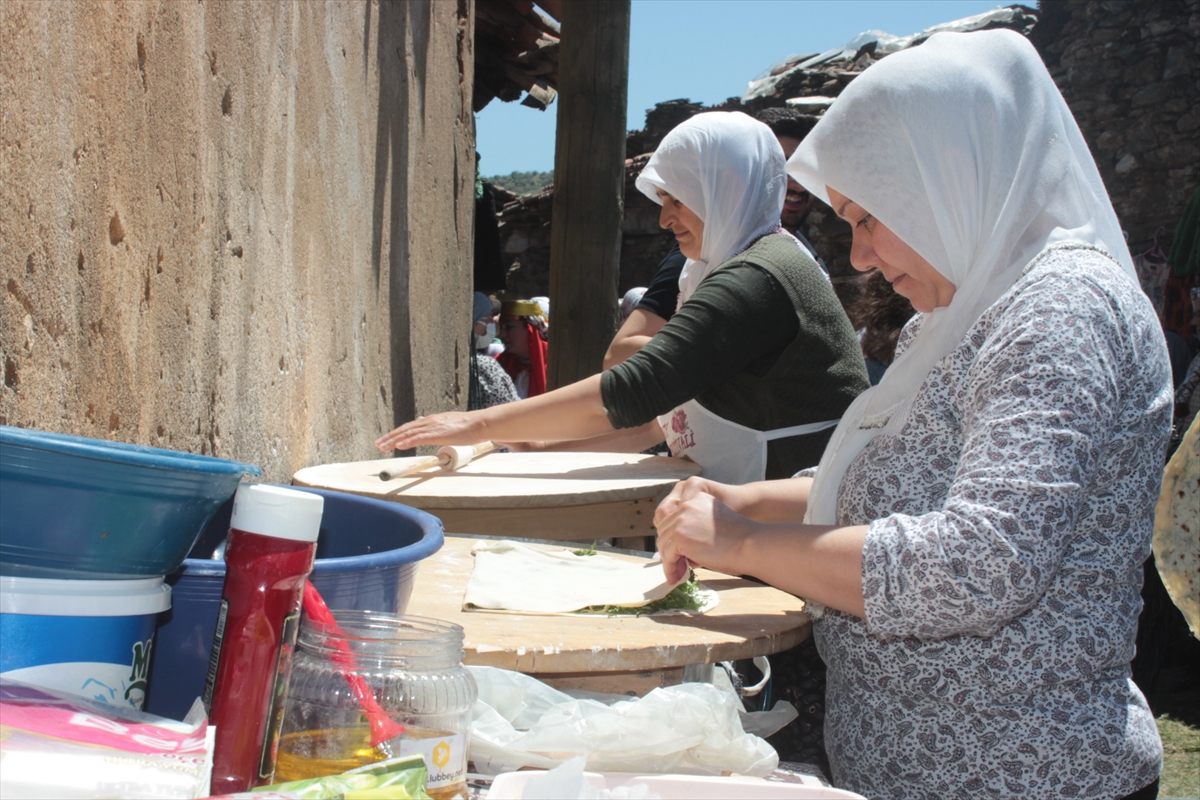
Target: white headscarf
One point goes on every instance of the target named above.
(965, 149)
(728, 169)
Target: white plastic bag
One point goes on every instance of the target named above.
(692, 728)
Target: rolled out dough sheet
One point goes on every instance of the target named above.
(516, 577)
(1177, 528)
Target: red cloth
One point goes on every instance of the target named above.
(515, 365)
(1177, 305)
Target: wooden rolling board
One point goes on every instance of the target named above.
(510, 480)
(751, 620)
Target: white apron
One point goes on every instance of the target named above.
(727, 452)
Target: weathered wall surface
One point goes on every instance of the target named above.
(234, 228)
(1130, 73)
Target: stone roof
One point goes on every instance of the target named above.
(813, 80)
(516, 52)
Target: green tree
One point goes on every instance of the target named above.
(523, 182)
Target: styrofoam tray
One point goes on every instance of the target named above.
(511, 785)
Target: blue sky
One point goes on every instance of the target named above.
(706, 51)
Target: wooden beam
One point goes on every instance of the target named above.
(589, 186)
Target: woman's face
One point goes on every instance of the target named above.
(515, 335)
(683, 222)
(876, 246)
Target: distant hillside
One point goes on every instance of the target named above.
(522, 182)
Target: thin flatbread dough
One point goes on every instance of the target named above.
(1177, 528)
(515, 577)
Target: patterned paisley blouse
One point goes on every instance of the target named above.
(1009, 521)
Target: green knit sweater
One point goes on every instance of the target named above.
(762, 342)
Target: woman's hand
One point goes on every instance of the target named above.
(451, 427)
(730, 495)
(696, 528)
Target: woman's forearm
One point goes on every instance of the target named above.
(697, 526)
(770, 501)
(815, 562)
(632, 336)
(575, 411)
(621, 349)
(626, 440)
(572, 412)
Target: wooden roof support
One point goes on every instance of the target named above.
(589, 185)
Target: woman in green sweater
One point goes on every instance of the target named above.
(750, 375)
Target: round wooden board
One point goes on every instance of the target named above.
(751, 620)
(509, 480)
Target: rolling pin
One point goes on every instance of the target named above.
(449, 458)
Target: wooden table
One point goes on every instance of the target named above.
(555, 496)
(609, 654)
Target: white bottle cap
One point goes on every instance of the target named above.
(278, 512)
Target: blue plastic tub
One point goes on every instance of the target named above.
(79, 508)
(367, 556)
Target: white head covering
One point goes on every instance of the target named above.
(964, 148)
(728, 169)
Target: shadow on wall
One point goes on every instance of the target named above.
(396, 25)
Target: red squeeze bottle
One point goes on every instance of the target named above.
(268, 556)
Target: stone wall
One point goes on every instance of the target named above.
(1130, 73)
(233, 228)
(525, 237)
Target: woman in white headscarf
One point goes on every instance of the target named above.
(750, 376)
(977, 524)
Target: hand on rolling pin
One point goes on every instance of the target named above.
(696, 529)
(450, 427)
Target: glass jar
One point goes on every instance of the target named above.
(413, 666)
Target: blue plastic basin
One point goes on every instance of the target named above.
(367, 555)
(82, 508)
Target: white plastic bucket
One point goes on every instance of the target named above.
(90, 638)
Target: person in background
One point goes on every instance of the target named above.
(1187, 392)
(790, 127)
(629, 303)
(523, 330)
(661, 299)
(484, 309)
(489, 384)
(977, 525)
(751, 372)
(1187, 397)
(656, 306)
(544, 304)
(878, 313)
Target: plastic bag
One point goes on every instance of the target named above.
(62, 746)
(692, 728)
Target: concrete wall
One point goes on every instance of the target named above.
(235, 228)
